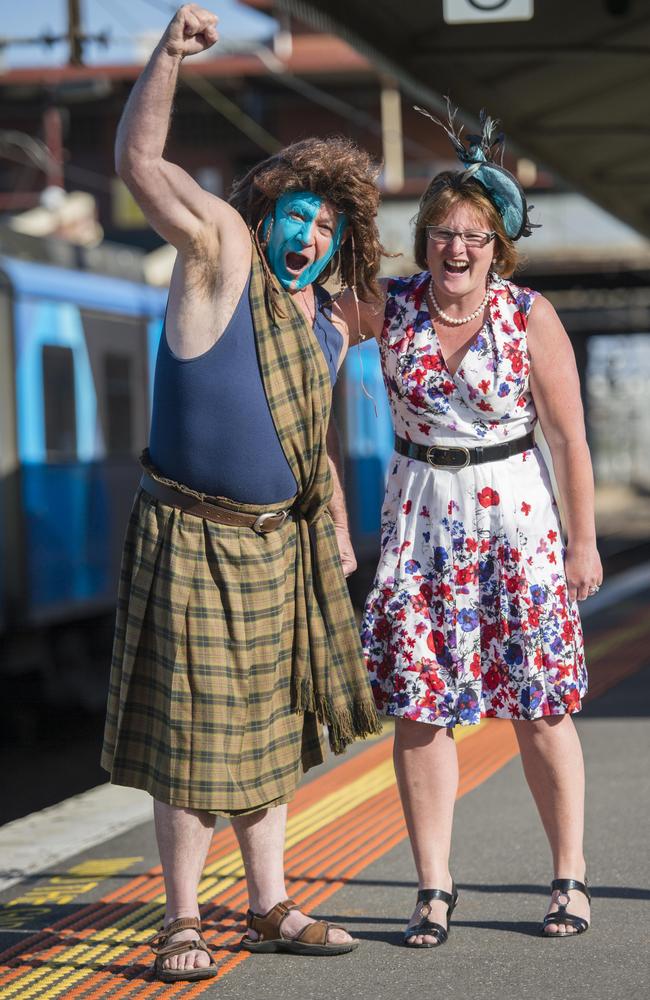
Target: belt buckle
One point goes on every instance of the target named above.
(446, 449)
(261, 519)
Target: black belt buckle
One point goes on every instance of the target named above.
(442, 457)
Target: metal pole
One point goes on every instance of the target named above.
(74, 33)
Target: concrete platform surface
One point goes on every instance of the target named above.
(77, 928)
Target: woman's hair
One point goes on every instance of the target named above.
(337, 170)
(447, 190)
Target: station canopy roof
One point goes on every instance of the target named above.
(571, 86)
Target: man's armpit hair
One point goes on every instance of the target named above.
(202, 269)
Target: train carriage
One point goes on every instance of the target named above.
(76, 357)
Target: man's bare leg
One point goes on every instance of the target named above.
(183, 837)
(261, 841)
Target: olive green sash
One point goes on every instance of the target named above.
(329, 674)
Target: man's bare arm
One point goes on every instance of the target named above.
(337, 505)
(173, 203)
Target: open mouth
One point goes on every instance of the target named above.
(295, 261)
(456, 266)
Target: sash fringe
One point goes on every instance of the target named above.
(344, 724)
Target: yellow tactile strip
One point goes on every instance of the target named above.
(339, 824)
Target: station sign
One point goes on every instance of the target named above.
(472, 11)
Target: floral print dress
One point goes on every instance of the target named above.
(469, 614)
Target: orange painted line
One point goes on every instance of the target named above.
(330, 855)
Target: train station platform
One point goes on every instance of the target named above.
(75, 925)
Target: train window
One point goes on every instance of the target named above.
(119, 410)
(59, 402)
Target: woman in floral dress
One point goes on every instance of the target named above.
(473, 611)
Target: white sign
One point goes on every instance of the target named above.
(467, 11)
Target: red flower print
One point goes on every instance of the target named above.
(436, 642)
(475, 666)
(571, 699)
(526, 508)
(466, 574)
(520, 321)
(471, 544)
(431, 362)
(552, 536)
(448, 387)
(551, 558)
(567, 631)
(432, 681)
(492, 678)
(406, 507)
(427, 591)
(485, 406)
(424, 428)
(484, 386)
(488, 497)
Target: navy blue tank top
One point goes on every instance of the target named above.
(211, 426)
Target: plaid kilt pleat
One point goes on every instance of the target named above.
(199, 709)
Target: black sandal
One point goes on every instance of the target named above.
(562, 915)
(426, 926)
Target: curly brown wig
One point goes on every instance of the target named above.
(444, 192)
(337, 170)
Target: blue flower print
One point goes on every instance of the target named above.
(513, 654)
(440, 557)
(537, 593)
(411, 566)
(468, 619)
(504, 389)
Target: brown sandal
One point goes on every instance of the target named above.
(162, 950)
(311, 940)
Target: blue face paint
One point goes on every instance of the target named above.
(294, 217)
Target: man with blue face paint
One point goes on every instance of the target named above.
(235, 641)
(290, 230)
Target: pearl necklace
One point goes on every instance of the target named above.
(465, 319)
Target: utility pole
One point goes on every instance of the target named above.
(75, 37)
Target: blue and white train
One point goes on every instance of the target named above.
(77, 356)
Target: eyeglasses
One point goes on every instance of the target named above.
(470, 237)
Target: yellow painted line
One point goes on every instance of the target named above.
(596, 650)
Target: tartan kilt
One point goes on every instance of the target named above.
(199, 706)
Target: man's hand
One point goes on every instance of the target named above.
(193, 29)
(346, 552)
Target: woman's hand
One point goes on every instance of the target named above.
(193, 29)
(583, 569)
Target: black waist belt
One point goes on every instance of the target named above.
(262, 523)
(445, 457)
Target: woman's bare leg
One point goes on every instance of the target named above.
(426, 766)
(552, 759)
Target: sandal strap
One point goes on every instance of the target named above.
(180, 947)
(317, 932)
(160, 939)
(564, 917)
(566, 884)
(429, 928)
(268, 926)
(427, 895)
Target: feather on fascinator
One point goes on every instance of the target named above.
(478, 154)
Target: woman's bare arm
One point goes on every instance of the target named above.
(555, 387)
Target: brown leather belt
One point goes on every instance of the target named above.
(261, 523)
(442, 456)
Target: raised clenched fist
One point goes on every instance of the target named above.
(192, 29)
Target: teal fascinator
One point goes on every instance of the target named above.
(478, 153)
